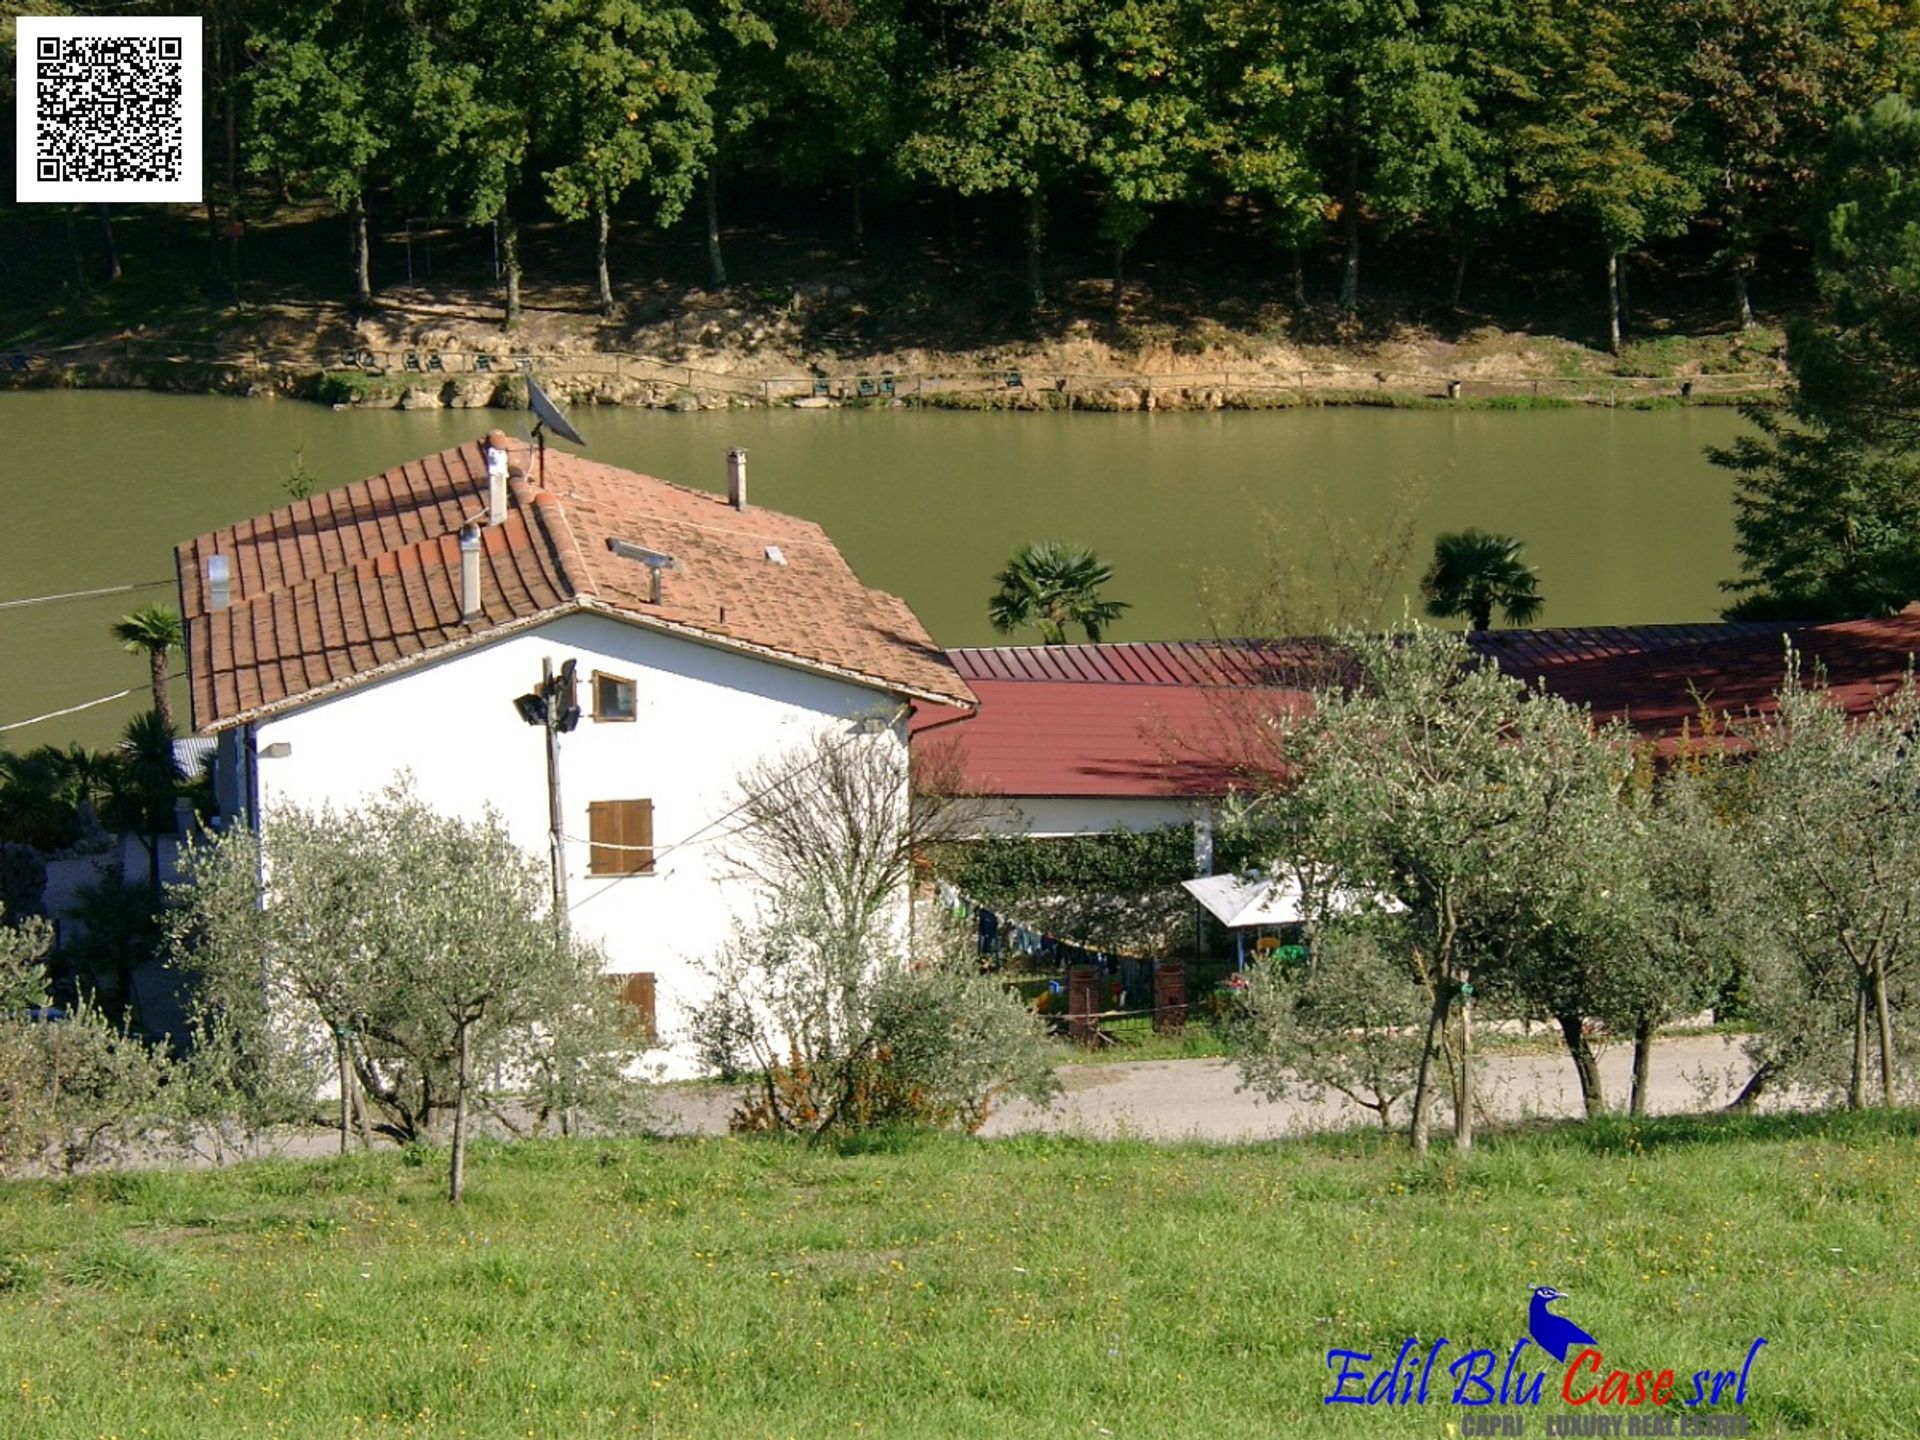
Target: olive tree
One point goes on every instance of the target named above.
(1441, 793)
(1836, 845)
(73, 1087)
(845, 1015)
(412, 951)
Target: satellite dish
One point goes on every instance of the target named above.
(546, 413)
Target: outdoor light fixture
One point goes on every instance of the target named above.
(278, 750)
(532, 708)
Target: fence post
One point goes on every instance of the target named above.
(1169, 996)
(1082, 987)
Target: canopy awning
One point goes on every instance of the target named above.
(1241, 901)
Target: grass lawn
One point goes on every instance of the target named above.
(936, 1287)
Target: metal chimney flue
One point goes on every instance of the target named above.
(496, 452)
(737, 478)
(469, 572)
(219, 583)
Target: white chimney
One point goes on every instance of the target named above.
(737, 478)
(496, 453)
(219, 583)
(469, 572)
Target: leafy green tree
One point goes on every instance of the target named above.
(1604, 149)
(1346, 1021)
(1836, 843)
(1418, 799)
(1765, 81)
(631, 109)
(417, 946)
(741, 56)
(1827, 509)
(1152, 129)
(849, 68)
(325, 91)
(144, 785)
(1474, 573)
(1050, 585)
(1009, 112)
(1268, 103)
(155, 631)
(1393, 122)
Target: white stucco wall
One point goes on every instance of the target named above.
(702, 714)
(1052, 816)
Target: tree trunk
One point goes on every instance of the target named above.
(1299, 281)
(113, 250)
(1592, 1096)
(457, 1169)
(346, 1091)
(362, 268)
(1883, 1017)
(1613, 302)
(1642, 1063)
(1463, 1112)
(1423, 1080)
(1742, 303)
(157, 677)
(1119, 275)
(510, 252)
(1459, 280)
(716, 262)
(859, 218)
(1036, 229)
(604, 224)
(1857, 1077)
(1626, 295)
(1751, 1091)
(1350, 215)
(79, 265)
(953, 229)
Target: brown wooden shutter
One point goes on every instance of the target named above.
(636, 992)
(621, 836)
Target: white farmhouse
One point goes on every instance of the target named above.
(391, 625)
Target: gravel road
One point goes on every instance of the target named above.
(1201, 1099)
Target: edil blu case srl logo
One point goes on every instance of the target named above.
(1586, 1381)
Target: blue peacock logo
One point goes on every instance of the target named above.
(1553, 1333)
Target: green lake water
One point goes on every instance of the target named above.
(1623, 517)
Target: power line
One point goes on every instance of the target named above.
(81, 595)
(76, 709)
(687, 840)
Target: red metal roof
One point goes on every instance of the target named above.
(1177, 719)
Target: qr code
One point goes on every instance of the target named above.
(109, 108)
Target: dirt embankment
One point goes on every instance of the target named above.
(814, 346)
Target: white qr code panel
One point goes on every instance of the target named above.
(108, 108)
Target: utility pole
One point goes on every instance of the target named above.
(556, 832)
(553, 705)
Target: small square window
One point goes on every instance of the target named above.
(613, 697)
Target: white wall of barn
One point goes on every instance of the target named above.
(702, 714)
(1053, 816)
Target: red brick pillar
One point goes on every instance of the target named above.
(1169, 996)
(1083, 994)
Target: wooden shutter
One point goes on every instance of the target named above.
(621, 832)
(636, 992)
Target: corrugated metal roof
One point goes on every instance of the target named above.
(1186, 718)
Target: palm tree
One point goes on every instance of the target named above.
(156, 630)
(146, 780)
(1473, 573)
(1050, 585)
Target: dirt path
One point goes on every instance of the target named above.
(1200, 1099)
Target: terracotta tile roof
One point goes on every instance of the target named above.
(335, 589)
